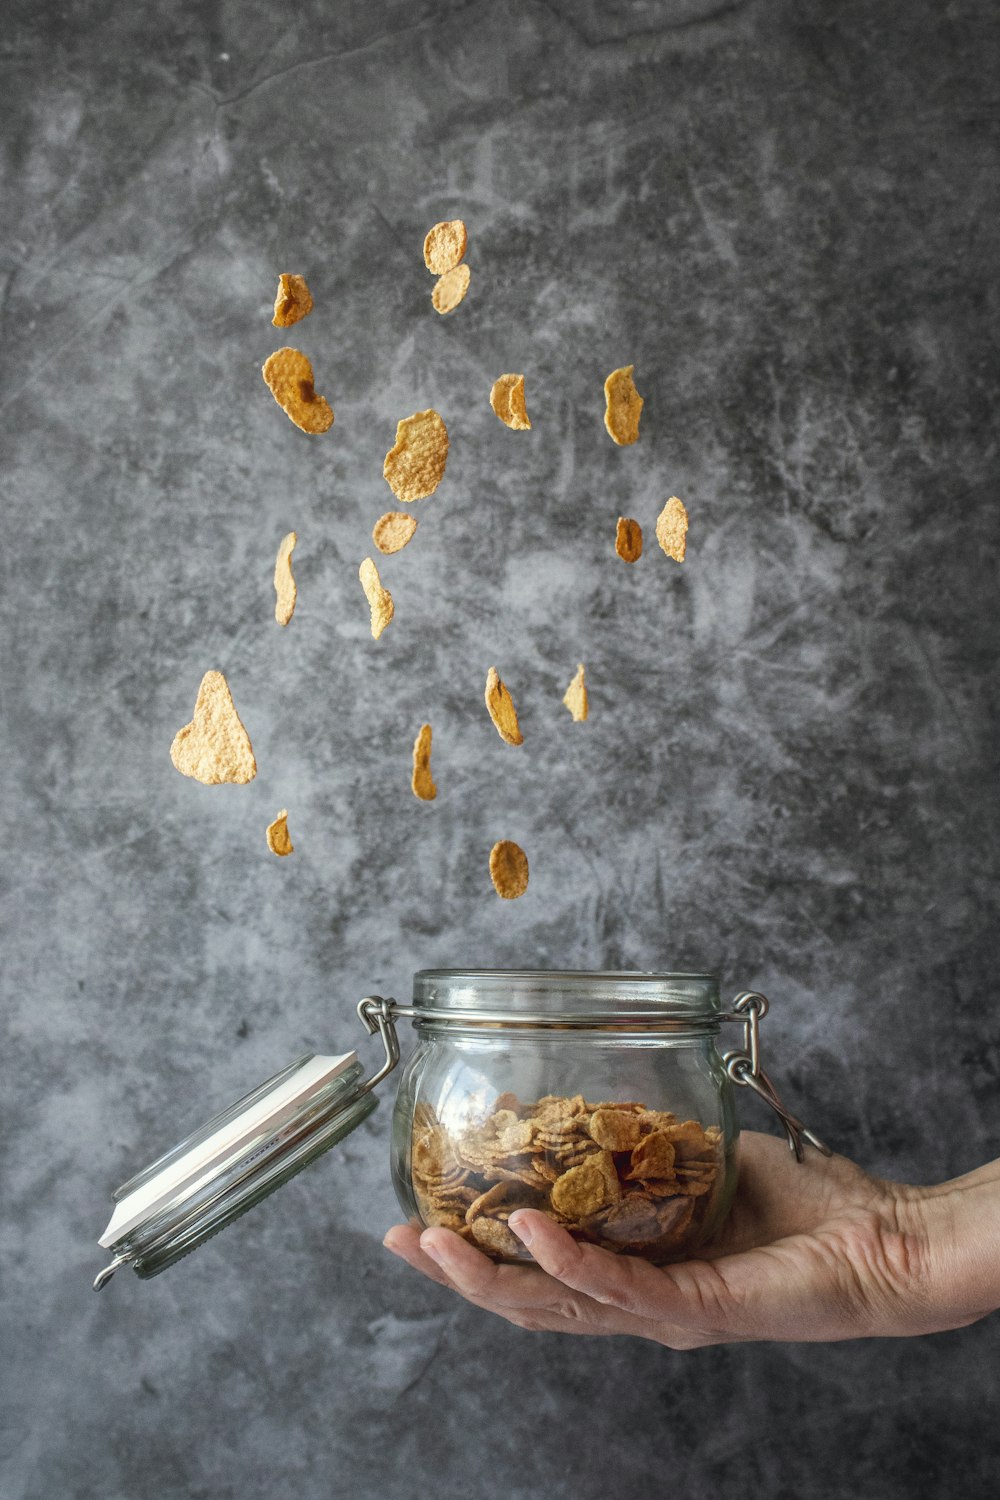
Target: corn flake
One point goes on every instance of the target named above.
(293, 301)
(421, 781)
(694, 1187)
(628, 539)
(517, 1137)
(689, 1139)
(444, 246)
(501, 709)
(671, 529)
(214, 747)
(502, 1199)
(278, 839)
(586, 1189)
(284, 582)
(575, 696)
(451, 289)
(652, 1157)
(508, 869)
(289, 376)
(490, 1234)
(414, 466)
(379, 599)
(615, 1129)
(507, 400)
(674, 1216)
(392, 531)
(632, 1221)
(623, 406)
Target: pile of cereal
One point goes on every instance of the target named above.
(618, 1175)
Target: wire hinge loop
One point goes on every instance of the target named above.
(744, 1069)
(378, 1015)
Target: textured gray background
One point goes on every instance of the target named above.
(784, 215)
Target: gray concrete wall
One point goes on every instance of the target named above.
(784, 214)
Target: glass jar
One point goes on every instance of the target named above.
(601, 1099)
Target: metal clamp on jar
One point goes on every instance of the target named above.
(600, 1098)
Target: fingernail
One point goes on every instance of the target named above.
(432, 1251)
(520, 1228)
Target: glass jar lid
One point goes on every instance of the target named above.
(537, 997)
(234, 1161)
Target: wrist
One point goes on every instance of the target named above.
(955, 1229)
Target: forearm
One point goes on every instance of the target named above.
(961, 1225)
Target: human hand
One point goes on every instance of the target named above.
(811, 1251)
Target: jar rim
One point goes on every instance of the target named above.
(559, 992)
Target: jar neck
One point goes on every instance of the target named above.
(566, 997)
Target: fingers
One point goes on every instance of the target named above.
(405, 1243)
(571, 1288)
(684, 1306)
(478, 1277)
(524, 1295)
(575, 1288)
(578, 1288)
(622, 1282)
(472, 1274)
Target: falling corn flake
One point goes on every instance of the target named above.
(508, 869)
(214, 747)
(507, 400)
(421, 781)
(444, 246)
(575, 696)
(293, 302)
(278, 840)
(628, 539)
(284, 582)
(450, 290)
(414, 466)
(501, 709)
(379, 599)
(623, 406)
(392, 531)
(289, 376)
(671, 529)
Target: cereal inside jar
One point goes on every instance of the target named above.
(640, 1159)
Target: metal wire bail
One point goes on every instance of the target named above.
(378, 1015)
(743, 1067)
